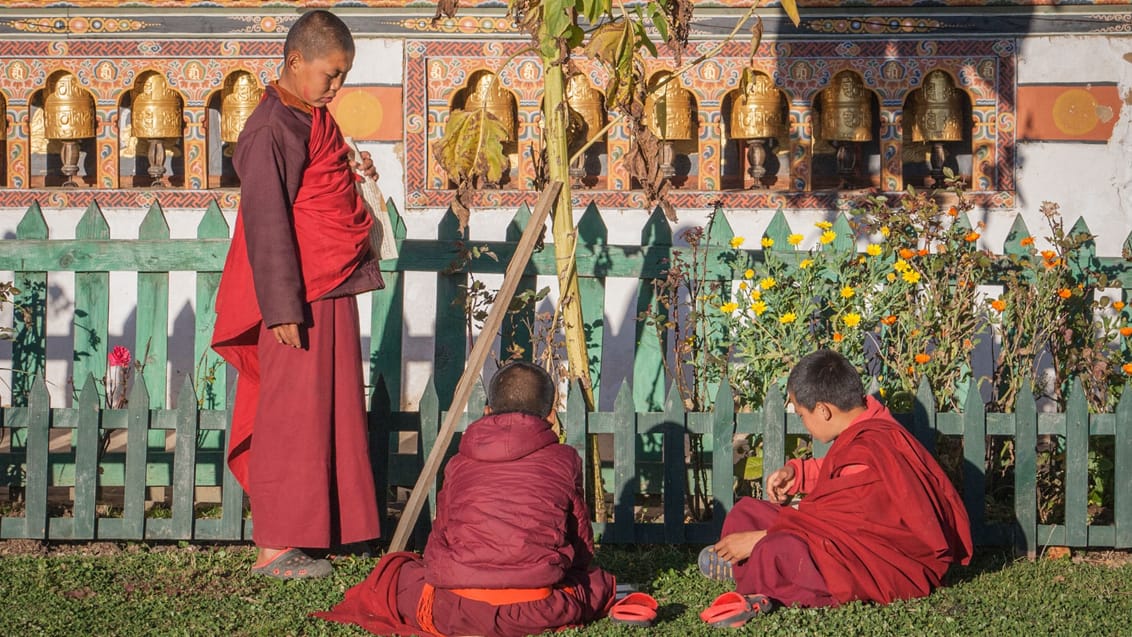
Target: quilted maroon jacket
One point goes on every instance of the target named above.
(511, 512)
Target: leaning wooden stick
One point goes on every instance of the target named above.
(476, 360)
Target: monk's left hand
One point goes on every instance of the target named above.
(737, 547)
(364, 165)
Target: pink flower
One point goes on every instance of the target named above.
(119, 357)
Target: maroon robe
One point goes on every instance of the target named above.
(888, 528)
(299, 253)
(511, 528)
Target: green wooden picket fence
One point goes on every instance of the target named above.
(152, 444)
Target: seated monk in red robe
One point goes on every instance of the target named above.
(511, 547)
(880, 520)
(287, 318)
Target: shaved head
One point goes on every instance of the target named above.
(521, 386)
(316, 34)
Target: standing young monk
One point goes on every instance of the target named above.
(287, 319)
(880, 520)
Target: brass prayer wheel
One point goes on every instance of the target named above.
(941, 116)
(588, 102)
(156, 109)
(499, 103)
(239, 97)
(846, 109)
(68, 110)
(668, 109)
(757, 112)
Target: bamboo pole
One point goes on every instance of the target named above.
(476, 360)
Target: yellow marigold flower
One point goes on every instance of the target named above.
(729, 307)
(847, 292)
(901, 266)
(794, 239)
(828, 236)
(872, 250)
(787, 318)
(736, 242)
(851, 319)
(767, 283)
(922, 358)
(999, 305)
(756, 294)
(749, 274)
(758, 307)
(971, 237)
(806, 263)
(884, 231)
(891, 277)
(824, 225)
(1126, 368)
(743, 285)
(767, 242)
(1064, 293)
(1026, 241)
(1118, 305)
(911, 276)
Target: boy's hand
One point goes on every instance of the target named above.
(287, 334)
(364, 165)
(778, 484)
(737, 547)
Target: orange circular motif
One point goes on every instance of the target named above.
(358, 113)
(1075, 112)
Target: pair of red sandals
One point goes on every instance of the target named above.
(729, 610)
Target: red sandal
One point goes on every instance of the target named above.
(732, 610)
(635, 609)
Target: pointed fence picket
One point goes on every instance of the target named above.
(59, 463)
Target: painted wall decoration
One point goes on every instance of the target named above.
(436, 70)
(1068, 112)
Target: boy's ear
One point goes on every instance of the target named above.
(486, 410)
(824, 410)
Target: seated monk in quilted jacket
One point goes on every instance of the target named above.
(511, 547)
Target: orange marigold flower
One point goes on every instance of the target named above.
(1118, 305)
(1126, 368)
(923, 252)
(1026, 241)
(1126, 331)
(922, 358)
(837, 337)
(1048, 255)
(999, 305)
(911, 370)
(953, 212)
(1064, 293)
(906, 253)
(889, 320)
(971, 237)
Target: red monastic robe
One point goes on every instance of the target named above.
(889, 531)
(309, 423)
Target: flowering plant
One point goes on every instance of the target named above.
(117, 379)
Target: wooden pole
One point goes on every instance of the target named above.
(476, 360)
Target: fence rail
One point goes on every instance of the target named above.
(85, 449)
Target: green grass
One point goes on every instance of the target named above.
(187, 590)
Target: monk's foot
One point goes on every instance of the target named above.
(290, 564)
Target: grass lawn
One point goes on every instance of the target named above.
(133, 589)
